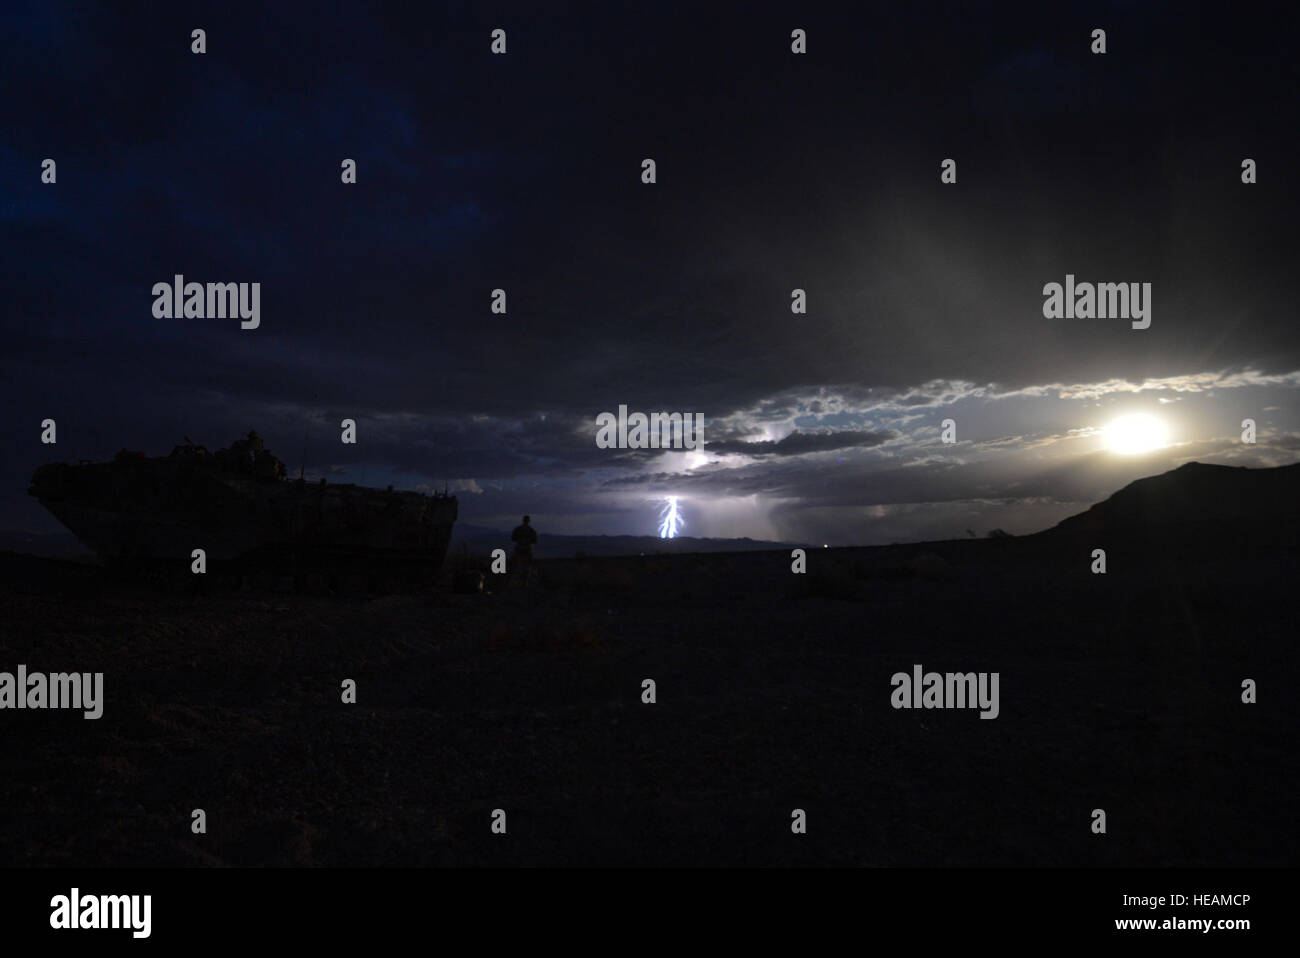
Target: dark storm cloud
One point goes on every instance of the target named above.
(522, 172)
(800, 443)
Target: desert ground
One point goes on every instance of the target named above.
(1119, 691)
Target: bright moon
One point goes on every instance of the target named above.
(1136, 433)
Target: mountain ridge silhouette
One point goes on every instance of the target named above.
(1193, 497)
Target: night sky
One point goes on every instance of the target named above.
(775, 171)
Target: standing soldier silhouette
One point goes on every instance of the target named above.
(524, 538)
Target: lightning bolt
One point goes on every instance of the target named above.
(669, 519)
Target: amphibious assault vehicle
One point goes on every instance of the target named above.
(236, 504)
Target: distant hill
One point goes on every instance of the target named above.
(549, 546)
(1196, 499)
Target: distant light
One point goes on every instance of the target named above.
(825, 546)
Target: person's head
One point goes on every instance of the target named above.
(526, 519)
